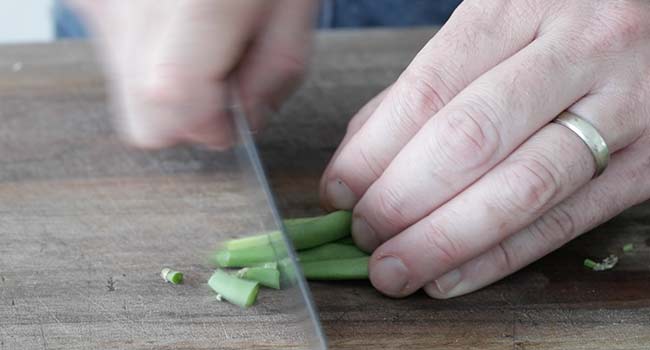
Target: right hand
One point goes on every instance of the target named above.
(169, 62)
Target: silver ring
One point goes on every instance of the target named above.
(589, 135)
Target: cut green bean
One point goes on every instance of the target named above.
(330, 251)
(266, 276)
(267, 265)
(287, 272)
(319, 230)
(246, 257)
(304, 232)
(235, 290)
(171, 276)
(606, 264)
(628, 247)
(252, 241)
(590, 264)
(343, 269)
(346, 240)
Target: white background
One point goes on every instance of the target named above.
(26, 21)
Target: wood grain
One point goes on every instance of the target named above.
(86, 224)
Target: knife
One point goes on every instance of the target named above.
(297, 299)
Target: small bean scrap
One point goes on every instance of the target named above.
(606, 264)
(171, 276)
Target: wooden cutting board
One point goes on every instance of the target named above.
(86, 224)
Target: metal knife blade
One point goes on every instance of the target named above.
(297, 299)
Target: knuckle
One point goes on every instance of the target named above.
(556, 227)
(420, 93)
(504, 259)
(616, 27)
(528, 8)
(370, 161)
(390, 207)
(644, 169)
(441, 246)
(636, 177)
(466, 138)
(478, 8)
(568, 49)
(166, 87)
(489, 13)
(531, 184)
(281, 72)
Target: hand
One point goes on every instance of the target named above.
(455, 175)
(169, 62)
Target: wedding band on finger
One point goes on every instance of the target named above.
(589, 135)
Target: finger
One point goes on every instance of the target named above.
(442, 68)
(616, 109)
(276, 62)
(125, 40)
(475, 131)
(357, 121)
(122, 36)
(496, 205)
(623, 185)
(547, 168)
(181, 95)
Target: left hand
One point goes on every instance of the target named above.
(455, 173)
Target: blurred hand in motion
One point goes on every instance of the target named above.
(457, 177)
(169, 62)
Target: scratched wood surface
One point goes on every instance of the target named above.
(86, 224)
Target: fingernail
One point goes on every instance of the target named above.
(364, 236)
(390, 276)
(339, 195)
(448, 281)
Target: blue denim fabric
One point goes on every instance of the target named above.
(385, 13)
(333, 14)
(66, 23)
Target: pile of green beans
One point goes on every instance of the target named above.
(325, 252)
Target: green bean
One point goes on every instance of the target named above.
(590, 264)
(330, 251)
(253, 241)
(304, 232)
(287, 272)
(171, 276)
(247, 257)
(346, 240)
(266, 275)
(268, 265)
(319, 230)
(342, 269)
(235, 290)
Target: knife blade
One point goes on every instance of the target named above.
(297, 298)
